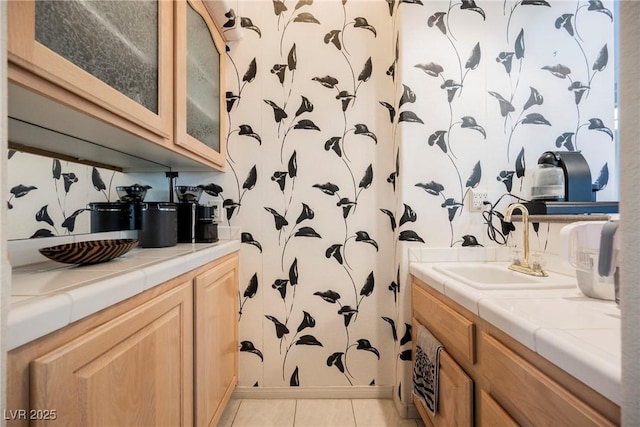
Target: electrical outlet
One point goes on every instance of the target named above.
(477, 197)
(217, 210)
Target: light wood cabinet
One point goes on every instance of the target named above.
(530, 395)
(216, 340)
(455, 405)
(117, 55)
(133, 370)
(199, 79)
(151, 69)
(165, 357)
(491, 414)
(512, 385)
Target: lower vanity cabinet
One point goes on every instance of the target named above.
(216, 340)
(165, 357)
(510, 384)
(455, 406)
(133, 370)
(530, 395)
(491, 414)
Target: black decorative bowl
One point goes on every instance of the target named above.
(90, 252)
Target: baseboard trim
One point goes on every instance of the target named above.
(355, 392)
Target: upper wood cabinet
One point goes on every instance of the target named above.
(151, 68)
(199, 79)
(116, 54)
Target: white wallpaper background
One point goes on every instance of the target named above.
(356, 130)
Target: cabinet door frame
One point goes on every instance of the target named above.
(24, 51)
(207, 410)
(182, 138)
(73, 363)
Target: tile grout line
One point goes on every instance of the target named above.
(295, 410)
(235, 415)
(353, 411)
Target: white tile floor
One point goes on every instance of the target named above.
(311, 412)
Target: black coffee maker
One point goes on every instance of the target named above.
(576, 195)
(196, 222)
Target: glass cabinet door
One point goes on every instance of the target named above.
(203, 85)
(115, 41)
(199, 76)
(116, 55)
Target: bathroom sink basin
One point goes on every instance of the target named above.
(498, 276)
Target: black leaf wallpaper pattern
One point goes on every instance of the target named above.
(49, 197)
(467, 95)
(356, 130)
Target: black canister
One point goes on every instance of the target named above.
(206, 231)
(186, 222)
(112, 216)
(159, 224)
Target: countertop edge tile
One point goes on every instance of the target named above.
(518, 328)
(560, 348)
(463, 295)
(39, 315)
(36, 317)
(426, 274)
(86, 300)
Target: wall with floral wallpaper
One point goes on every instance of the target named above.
(310, 151)
(49, 197)
(495, 84)
(357, 128)
(450, 96)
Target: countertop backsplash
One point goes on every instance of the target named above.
(554, 261)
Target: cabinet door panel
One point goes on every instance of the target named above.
(452, 329)
(203, 88)
(117, 42)
(455, 401)
(114, 54)
(531, 397)
(491, 413)
(216, 340)
(199, 79)
(134, 370)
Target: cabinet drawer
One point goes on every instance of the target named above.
(455, 401)
(491, 414)
(531, 397)
(454, 331)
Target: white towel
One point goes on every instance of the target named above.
(426, 369)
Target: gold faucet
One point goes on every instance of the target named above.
(524, 267)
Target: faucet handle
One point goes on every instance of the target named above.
(537, 260)
(516, 256)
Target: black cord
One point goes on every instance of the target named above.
(498, 235)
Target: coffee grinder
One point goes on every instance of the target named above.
(195, 221)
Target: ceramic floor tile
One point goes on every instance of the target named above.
(265, 413)
(229, 413)
(378, 413)
(324, 412)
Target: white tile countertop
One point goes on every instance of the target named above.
(578, 334)
(48, 295)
